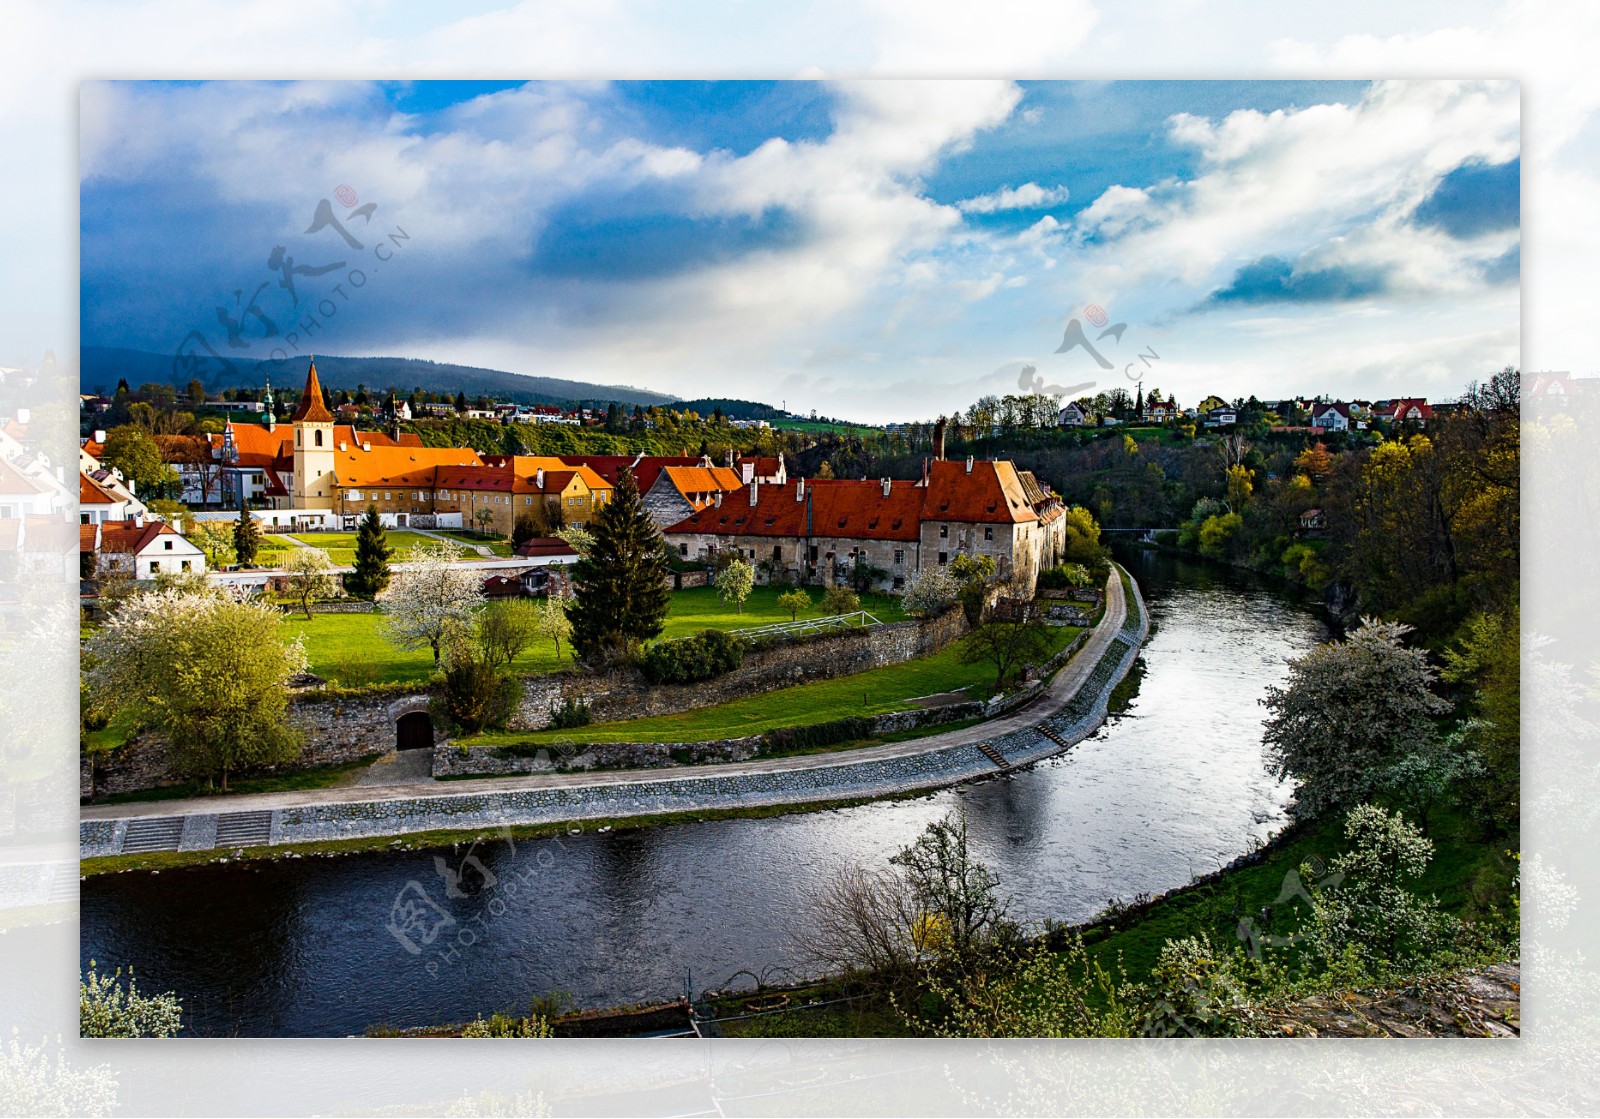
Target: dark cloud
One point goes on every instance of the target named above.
(1475, 198)
(1272, 279)
(622, 240)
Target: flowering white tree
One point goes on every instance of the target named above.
(930, 590)
(309, 574)
(554, 623)
(1349, 710)
(431, 599)
(109, 1008)
(733, 583)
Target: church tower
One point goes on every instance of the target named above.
(313, 448)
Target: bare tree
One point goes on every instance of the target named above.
(860, 921)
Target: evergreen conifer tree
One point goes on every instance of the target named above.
(370, 573)
(622, 593)
(246, 536)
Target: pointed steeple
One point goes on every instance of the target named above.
(311, 408)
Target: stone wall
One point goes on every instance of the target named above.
(625, 694)
(337, 731)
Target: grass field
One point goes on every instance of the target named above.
(495, 544)
(699, 608)
(341, 546)
(874, 692)
(349, 649)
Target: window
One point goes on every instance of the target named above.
(355, 495)
(154, 567)
(899, 582)
(988, 534)
(683, 549)
(944, 531)
(777, 553)
(527, 501)
(944, 557)
(899, 556)
(167, 544)
(83, 518)
(319, 438)
(186, 565)
(813, 553)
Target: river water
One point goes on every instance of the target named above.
(305, 947)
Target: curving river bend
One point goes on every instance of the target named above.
(303, 947)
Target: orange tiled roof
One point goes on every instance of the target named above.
(859, 509)
(128, 536)
(90, 492)
(312, 409)
(88, 535)
(694, 481)
(645, 471)
(397, 466)
(991, 494)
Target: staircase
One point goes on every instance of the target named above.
(987, 750)
(244, 829)
(152, 833)
(1044, 729)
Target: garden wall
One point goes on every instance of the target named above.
(337, 730)
(625, 694)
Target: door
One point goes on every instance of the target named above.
(413, 731)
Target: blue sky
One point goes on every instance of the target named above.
(883, 250)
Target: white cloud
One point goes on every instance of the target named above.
(1028, 196)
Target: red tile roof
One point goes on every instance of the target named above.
(312, 409)
(644, 472)
(129, 536)
(991, 494)
(91, 493)
(88, 536)
(540, 546)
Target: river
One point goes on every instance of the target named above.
(303, 947)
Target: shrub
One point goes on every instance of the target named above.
(503, 1025)
(570, 713)
(818, 734)
(475, 694)
(1064, 576)
(685, 660)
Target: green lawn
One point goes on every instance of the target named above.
(874, 692)
(348, 648)
(341, 546)
(495, 544)
(699, 608)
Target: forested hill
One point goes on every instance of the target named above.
(102, 367)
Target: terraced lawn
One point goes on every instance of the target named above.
(341, 546)
(875, 692)
(699, 608)
(349, 649)
(495, 544)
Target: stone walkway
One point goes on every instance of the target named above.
(1064, 712)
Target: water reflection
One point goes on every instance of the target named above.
(300, 947)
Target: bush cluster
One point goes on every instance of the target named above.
(474, 695)
(819, 734)
(570, 713)
(685, 660)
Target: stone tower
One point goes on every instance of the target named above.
(313, 448)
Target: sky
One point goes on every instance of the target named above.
(871, 249)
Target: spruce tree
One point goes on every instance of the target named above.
(370, 572)
(622, 590)
(246, 537)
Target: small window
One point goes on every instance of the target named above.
(388, 495)
(154, 567)
(899, 556)
(944, 531)
(186, 565)
(683, 549)
(777, 553)
(988, 534)
(944, 557)
(167, 544)
(319, 438)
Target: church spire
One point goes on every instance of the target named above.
(311, 408)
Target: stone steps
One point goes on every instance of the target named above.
(987, 750)
(1044, 729)
(152, 833)
(244, 829)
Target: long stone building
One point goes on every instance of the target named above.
(813, 531)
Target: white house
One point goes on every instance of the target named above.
(1072, 415)
(143, 548)
(1331, 417)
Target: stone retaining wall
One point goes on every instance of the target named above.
(625, 694)
(337, 731)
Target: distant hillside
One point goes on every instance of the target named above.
(733, 409)
(102, 366)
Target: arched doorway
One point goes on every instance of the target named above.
(413, 731)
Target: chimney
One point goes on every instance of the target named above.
(747, 471)
(366, 444)
(924, 473)
(272, 420)
(755, 489)
(538, 478)
(717, 499)
(969, 464)
(938, 439)
(343, 446)
(886, 487)
(727, 459)
(800, 489)
(99, 435)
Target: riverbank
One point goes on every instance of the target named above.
(1067, 709)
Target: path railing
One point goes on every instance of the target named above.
(859, 619)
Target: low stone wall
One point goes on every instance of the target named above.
(337, 731)
(625, 694)
(354, 606)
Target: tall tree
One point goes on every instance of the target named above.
(134, 452)
(369, 575)
(309, 574)
(622, 593)
(246, 536)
